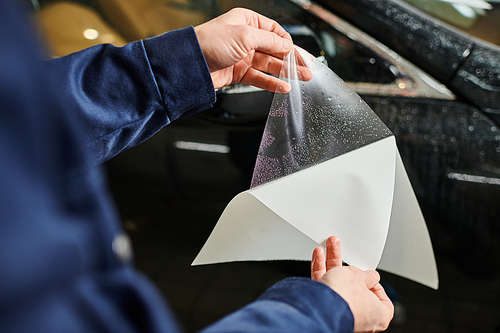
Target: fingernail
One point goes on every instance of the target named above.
(288, 45)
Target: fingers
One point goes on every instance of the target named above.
(371, 307)
(385, 311)
(333, 258)
(273, 65)
(372, 278)
(249, 45)
(265, 41)
(318, 267)
(261, 80)
(261, 22)
(266, 63)
(270, 35)
(379, 291)
(333, 253)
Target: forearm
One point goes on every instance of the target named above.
(292, 305)
(122, 96)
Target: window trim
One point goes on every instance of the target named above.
(410, 81)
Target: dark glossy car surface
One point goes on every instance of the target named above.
(436, 87)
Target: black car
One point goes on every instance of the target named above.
(430, 69)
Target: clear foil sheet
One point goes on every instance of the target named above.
(327, 165)
(320, 119)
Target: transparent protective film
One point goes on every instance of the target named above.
(327, 165)
(319, 119)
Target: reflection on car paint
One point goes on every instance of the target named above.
(410, 82)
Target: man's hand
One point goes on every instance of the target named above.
(240, 45)
(371, 308)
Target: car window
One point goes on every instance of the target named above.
(476, 17)
(353, 61)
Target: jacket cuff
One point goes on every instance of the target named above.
(181, 72)
(315, 299)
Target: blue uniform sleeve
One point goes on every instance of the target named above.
(60, 270)
(292, 305)
(122, 96)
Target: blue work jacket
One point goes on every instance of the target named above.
(64, 261)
